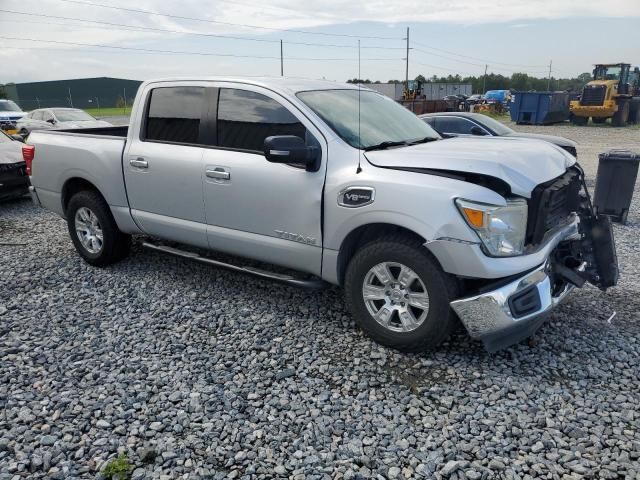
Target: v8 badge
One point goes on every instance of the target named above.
(353, 197)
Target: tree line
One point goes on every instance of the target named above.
(496, 81)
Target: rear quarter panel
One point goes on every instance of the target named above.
(61, 156)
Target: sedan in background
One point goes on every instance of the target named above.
(14, 181)
(459, 124)
(57, 118)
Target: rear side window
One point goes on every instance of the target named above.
(246, 118)
(36, 115)
(174, 115)
(456, 125)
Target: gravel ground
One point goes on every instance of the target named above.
(195, 372)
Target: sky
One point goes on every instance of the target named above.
(61, 39)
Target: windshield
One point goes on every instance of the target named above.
(72, 115)
(496, 126)
(9, 106)
(381, 118)
(607, 73)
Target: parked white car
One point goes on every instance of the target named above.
(59, 119)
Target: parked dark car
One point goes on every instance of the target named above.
(456, 124)
(14, 181)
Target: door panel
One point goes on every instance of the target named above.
(164, 171)
(263, 210)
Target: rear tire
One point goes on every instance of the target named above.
(416, 292)
(93, 230)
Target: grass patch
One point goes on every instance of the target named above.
(108, 112)
(118, 467)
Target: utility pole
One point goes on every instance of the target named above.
(359, 78)
(484, 80)
(124, 96)
(407, 66)
(281, 60)
(549, 79)
(70, 99)
(38, 100)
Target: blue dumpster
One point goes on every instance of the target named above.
(539, 108)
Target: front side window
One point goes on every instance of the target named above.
(174, 115)
(46, 116)
(246, 118)
(365, 119)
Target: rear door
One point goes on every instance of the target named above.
(254, 208)
(163, 164)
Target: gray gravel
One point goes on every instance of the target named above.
(195, 372)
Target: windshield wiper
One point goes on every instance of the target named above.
(383, 145)
(424, 140)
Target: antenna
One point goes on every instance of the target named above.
(359, 169)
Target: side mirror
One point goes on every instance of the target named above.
(17, 138)
(478, 131)
(51, 121)
(292, 150)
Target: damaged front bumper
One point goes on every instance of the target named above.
(512, 312)
(509, 311)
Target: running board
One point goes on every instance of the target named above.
(315, 283)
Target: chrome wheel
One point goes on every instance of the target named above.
(395, 297)
(88, 230)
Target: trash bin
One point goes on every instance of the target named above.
(616, 180)
(539, 108)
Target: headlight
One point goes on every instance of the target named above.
(502, 230)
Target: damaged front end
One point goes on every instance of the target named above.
(560, 211)
(591, 257)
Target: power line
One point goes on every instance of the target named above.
(119, 26)
(476, 58)
(181, 17)
(149, 50)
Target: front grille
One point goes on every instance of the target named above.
(593, 95)
(551, 204)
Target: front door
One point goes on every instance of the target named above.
(163, 167)
(267, 211)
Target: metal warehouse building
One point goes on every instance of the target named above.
(99, 92)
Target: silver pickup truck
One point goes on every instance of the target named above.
(343, 186)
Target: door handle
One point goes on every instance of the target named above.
(218, 174)
(139, 162)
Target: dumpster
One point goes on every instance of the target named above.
(617, 173)
(539, 108)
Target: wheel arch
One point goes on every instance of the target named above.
(74, 185)
(360, 236)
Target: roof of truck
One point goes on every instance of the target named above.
(289, 85)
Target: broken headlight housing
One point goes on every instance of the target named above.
(502, 229)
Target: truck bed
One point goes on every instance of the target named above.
(91, 154)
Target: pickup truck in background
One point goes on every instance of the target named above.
(340, 184)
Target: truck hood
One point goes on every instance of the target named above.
(10, 152)
(11, 115)
(520, 162)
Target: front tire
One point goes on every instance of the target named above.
(93, 230)
(399, 295)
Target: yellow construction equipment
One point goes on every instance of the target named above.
(613, 93)
(412, 90)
